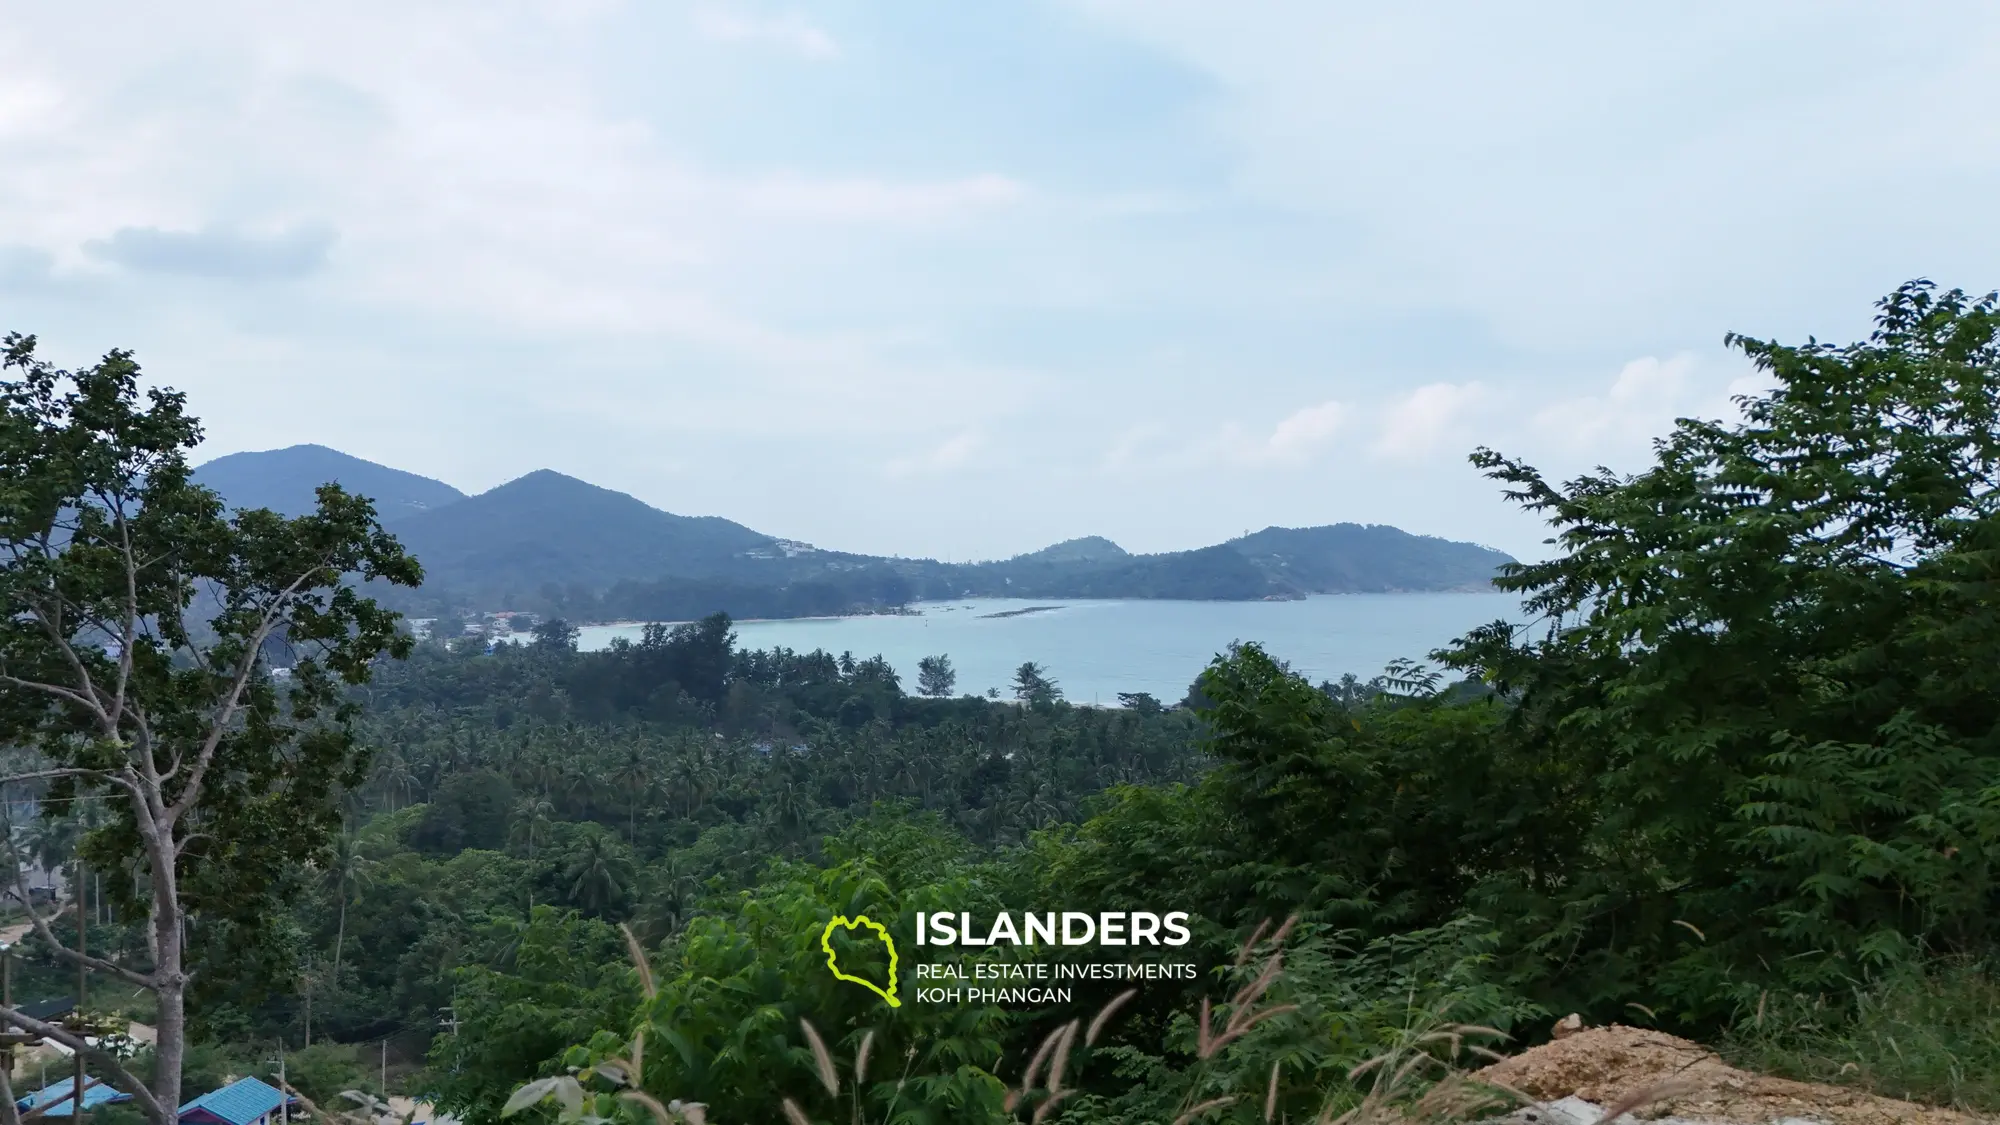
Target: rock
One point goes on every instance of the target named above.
(1567, 1026)
(1576, 1111)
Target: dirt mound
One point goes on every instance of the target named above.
(1600, 1065)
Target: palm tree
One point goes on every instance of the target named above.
(578, 785)
(636, 778)
(1033, 686)
(692, 776)
(791, 809)
(349, 873)
(1038, 805)
(531, 815)
(673, 889)
(597, 873)
(392, 774)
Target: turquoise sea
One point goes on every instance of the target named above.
(1096, 649)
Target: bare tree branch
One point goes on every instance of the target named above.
(126, 639)
(9, 1115)
(89, 696)
(55, 690)
(42, 930)
(104, 1060)
(246, 666)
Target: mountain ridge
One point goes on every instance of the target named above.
(283, 480)
(553, 544)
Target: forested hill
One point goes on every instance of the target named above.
(552, 544)
(1277, 562)
(284, 481)
(549, 528)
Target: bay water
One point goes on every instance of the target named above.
(1097, 648)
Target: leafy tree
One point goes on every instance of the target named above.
(555, 634)
(471, 810)
(137, 625)
(323, 1070)
(1140, 702)
(1776, 656)
(1033, 686)
(566, 977)
(732, 999)
(936, 677)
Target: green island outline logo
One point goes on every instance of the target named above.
(881, 931)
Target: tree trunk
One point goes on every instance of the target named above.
(9, 1113)
(171, 1040)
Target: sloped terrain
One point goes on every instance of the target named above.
(1574, 1079)
(546, 527)
(286, 481)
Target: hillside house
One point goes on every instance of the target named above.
(54, 1100)
(246, 1101)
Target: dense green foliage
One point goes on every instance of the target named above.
(1743, 769)
(631, 785)
(138, 625)
(1771, 672)
(1739, 781)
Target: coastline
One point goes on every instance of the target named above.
(911, 609)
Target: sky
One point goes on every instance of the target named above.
(962, 280)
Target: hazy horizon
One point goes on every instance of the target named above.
(958, 282)
(779, 534)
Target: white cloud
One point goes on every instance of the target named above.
(1128, 450)
(1297, 439)
(1418, 423)
(1641, 404)
(1305, 430)
(789, 31)
(1541, 170)
(578, 232)
(1750, 385)
(850, 200)
(953, 453)
(493, 191)
(1644, 400)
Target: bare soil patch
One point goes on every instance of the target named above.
(1602, 1065)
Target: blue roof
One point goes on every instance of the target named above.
(239, 1103)
(56, 1095)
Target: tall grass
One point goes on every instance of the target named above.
(1417, 1072)
(1926, 1034)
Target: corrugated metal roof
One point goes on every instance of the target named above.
(239, 1103)
(46, 1010)
(56, 1095)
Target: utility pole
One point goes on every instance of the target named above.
(82, 991)
(7, 1001)
(450, 1020)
